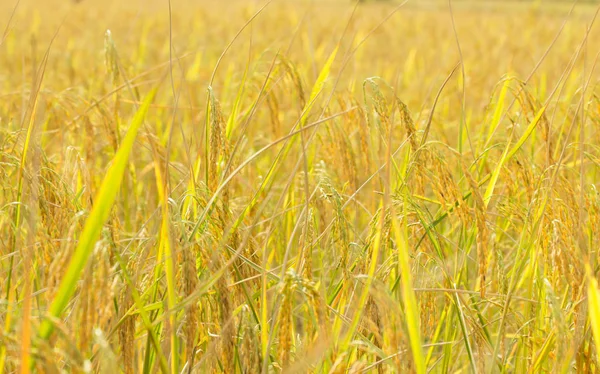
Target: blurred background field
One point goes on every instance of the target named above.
(379, 188)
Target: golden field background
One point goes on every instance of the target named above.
(311, 186)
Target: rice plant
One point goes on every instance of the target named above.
(310, 186)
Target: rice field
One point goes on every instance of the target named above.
(299, 186)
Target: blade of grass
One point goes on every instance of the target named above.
(506, 155)
(103, 203)
(543, 353)
(165, 248)
(360, 307)
(594, 307)
(463, 329)
(408, 294)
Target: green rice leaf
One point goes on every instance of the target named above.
(103, 203)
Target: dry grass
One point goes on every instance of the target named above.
(366, 189)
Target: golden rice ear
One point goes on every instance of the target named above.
(482, 230)
(227, 322)
(216, 145)
(285, 322)
(250, 352)
(110, 57)
(126, 333)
